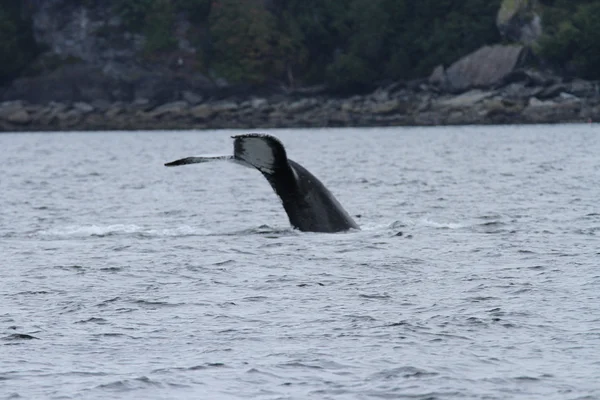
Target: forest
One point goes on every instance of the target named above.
(349, 44)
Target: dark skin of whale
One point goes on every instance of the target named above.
(309, 205)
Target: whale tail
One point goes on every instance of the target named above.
(265, 153)
(253, 150)
(198, 159)
(307, 202)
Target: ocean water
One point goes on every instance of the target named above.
(476, 274)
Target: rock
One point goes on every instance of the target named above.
(581, 88)
(352, 104)
(568, 97)
(87, 31)
(438, 77)
(540, 111)
(529, 78)
(537, 103)
(552, 91)
(515, 91)
(385, 107)
(225, 106)
(19, 116)
(191, 97)
(89, 53)
(114, 110)
(202, 111)
(9, 107)
(485, 67)
(258, 103)
(465, 100)
(83, 107)
(15, 112)
(101, 105)
(174, 108)
(519, 21)
(380, 95)
(301, 105)
(57, 107)
(424, 103)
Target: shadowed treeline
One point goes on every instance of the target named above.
(352, 45)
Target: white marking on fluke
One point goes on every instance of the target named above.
(255, 151)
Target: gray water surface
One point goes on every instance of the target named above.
(120, 278)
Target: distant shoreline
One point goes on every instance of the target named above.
(395, 105)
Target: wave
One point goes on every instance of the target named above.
(83, 231)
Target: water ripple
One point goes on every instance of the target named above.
(475, 274)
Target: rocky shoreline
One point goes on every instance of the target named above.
(522, 98)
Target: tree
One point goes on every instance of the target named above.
(244, 41)
(158, 27)
(17, 45)
(573, 42)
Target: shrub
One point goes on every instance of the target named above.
(573, 43)
(17, 45)
(158, 27)
(244, 41)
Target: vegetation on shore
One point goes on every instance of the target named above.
(571, 40)
(349, 44)
(17, 45)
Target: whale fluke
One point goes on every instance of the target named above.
(197, 160)
(308, 203)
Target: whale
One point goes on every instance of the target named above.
(309, 205)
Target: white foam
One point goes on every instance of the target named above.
(90, 230)
(443, 225)
(184, 230)
(83, 231)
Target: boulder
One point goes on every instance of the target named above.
(519, 21)
(485, 67)
(19, 116)
(191, 97)
(225, 106)
(83, 107)
(202, 111)
(465, 100)
(301, 105)
(552, 91)
(438, 77)
(384, 107)
(176, 108)
(258, 103)
(537, 103)
(539, 111)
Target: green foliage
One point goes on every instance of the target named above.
(196, 10)
(158, 27)
(311, 29)
(573, 41)
(348, 73)
(350, 44)
(244, 47)
(17, 46)
(154, 18)
(391, 39)
(133, 12)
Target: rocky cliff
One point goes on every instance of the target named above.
(522, 97)
(95, 73)
(520, 21)
(90, 55)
